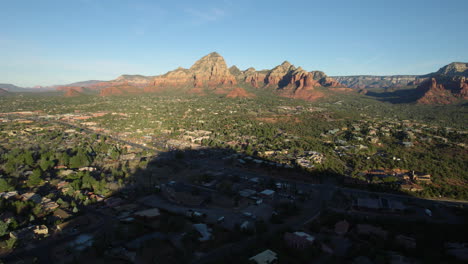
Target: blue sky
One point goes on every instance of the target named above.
(57, 41)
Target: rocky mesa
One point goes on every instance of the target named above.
(211, 74)
(448, 85)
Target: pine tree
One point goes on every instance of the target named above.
(35, 178)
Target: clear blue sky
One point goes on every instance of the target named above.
(45, 42)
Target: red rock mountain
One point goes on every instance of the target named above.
(448, 85)
(211, 73)
(443, 90)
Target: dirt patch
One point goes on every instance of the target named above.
(278, 119)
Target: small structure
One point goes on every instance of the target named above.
(30, 196)
(246, 225)
(254, 180)
(299, 240)
(29, 232)
(267, 193)
(8, 195)
(370, 229)
(148, 214)
(246, 193)
(61, 214)
(266, 257)
(342, 227)
(204, 231)
(407, 144)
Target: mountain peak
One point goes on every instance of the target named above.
(454, 69)
(286, 63)
(214, 54)
(208, 62)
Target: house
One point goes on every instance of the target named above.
(61, 214)
(148, 214)
(8, 195)
(407, 144)
(371, 230)
(204, 231)
(426, 178)
(299, 240)
(246, 193)
(30, 196)
(266, 257)
(267, 193)
(29, 232)
(90, 169)
(48, 205)
(341, 227)
(61, 185)
(254, 180)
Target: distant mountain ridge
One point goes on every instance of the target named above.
(398, 81)
(3, 92)
(211, 73)
(374, 81)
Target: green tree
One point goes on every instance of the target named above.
(11, 243)
(4, 186)
(46, 164)
(35, 178)
(81, 159)
(28, 158)
(3, 228)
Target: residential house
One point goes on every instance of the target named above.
(265, 257)
(341, 227)
(299, 240)
(148, 213)
(204, 231)
(30, 196)
(62, 214)
(371, 230)
(29, 232)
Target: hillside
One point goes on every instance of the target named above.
(10, 87)
(3, 92)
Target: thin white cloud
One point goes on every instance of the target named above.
(207, 15)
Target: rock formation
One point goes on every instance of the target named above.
(443, 90)
(454, 69)
(211, 73)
